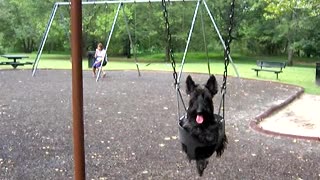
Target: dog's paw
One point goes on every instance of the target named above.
(201, 166)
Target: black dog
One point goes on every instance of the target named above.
(201, 122)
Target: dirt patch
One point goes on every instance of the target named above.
(301, 117)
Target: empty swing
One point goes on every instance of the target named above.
(191, 144)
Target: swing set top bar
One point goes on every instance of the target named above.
(122, 1)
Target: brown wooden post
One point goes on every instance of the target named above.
(77, 90)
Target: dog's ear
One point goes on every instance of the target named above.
(212, 85)
(190, 85)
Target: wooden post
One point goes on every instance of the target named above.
(77, 90)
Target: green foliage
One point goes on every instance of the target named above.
(261, 27)
(2, 49)
(278, 27)
(22, 19)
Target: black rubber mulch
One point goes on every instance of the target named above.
(131, 129)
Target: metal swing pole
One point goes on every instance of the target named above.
(44, 38)
(220, 37)
(130, 39)
(189, 38)
(205, 41)
(109, 38)
(77, 90)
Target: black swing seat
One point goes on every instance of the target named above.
(192, 143)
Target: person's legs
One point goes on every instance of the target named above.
(98, 69)
(94, 71)
(96, 65)
(103, 73)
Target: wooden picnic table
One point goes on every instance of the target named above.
(15, 63)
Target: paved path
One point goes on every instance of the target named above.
(131, 130)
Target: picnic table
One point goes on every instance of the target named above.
(15, 63)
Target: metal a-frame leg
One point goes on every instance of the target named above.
(44, 39)
(109, 38)
(130, 39)
(189, 39)
(220, 37)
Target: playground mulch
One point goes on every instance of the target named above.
(131, 129)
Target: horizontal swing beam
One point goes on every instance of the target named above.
(122, 1)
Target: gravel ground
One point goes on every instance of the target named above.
(131, 129)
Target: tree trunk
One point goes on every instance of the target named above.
(291, 34)
(289, 49)
(127, 47)
(290, 55)
(167, 54)
(28, 45)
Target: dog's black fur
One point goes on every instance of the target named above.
(201, 104)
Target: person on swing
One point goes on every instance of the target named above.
(99, 56)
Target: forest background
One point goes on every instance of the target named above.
(288, 28)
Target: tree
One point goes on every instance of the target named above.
(290, 12)
(23, 19)
(271, 27)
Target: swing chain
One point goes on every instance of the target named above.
(227, 50)
(226, 58)
(169, 39)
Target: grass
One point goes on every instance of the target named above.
(302, 74)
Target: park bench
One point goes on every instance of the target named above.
(269, 66)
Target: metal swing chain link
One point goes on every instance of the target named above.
(169, 39)
(227, 53)
(227, 50)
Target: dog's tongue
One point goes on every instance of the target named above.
(199, 119)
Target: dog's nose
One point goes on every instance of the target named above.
(200, 109)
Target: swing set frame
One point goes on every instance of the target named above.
(185, 137)
(120, 6)
(77, 86)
